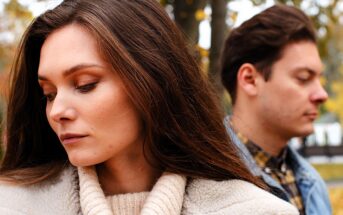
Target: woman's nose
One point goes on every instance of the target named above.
(61, 109)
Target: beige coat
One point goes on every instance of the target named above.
(202, 197)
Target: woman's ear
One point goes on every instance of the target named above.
(247, 79)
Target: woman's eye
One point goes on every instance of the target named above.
(86, 87)
(50, 97)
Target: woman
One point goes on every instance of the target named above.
(108, 86)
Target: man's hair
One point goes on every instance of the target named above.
(261, 41)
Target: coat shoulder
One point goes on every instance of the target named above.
(49, 197)
(232, 197)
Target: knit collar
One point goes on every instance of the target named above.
(166, 197)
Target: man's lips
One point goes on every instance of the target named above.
(312, 115)
(69, 138)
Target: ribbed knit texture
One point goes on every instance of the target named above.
(127, 204)
(92, 198)
(165, 198)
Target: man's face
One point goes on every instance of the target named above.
(288, 102)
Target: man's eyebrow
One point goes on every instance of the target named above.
(73, 70)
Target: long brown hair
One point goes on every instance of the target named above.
(181, 114)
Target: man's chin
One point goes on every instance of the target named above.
(305, 131)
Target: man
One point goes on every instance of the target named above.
(272, 69)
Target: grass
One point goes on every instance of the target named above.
(330, 171)
(333, 172)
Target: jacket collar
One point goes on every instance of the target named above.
(251, 163)
(305, 175)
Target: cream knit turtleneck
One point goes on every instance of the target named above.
(166, 197)
(127, 204)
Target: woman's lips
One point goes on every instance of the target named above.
(71, 138)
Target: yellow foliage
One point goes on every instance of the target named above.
(203, 57)
(335, 104)
(200, 15)
(203, 52)
(17, 11)
(336, 198)
(233, 16)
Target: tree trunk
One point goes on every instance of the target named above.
(218, 34)
(185, 17)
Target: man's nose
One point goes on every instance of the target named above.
(319, 94)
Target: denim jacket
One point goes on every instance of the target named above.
(312, 187)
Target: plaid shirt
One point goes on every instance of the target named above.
(278, 169)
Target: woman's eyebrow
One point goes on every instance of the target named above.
(73, 70)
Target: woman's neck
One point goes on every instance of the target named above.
(130, 174)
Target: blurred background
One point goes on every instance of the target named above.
(206, 23)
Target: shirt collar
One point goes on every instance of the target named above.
(263, 158)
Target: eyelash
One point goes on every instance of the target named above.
(86, 87)
(50, 97)
(304, 80)
(82, 89)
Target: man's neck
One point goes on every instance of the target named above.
(262, 135)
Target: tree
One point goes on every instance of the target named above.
(14, 19)
(187, 17)
(218, 34)
(188, 14)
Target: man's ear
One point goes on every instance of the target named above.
(247, 79)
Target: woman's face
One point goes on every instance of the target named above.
(86, 104)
